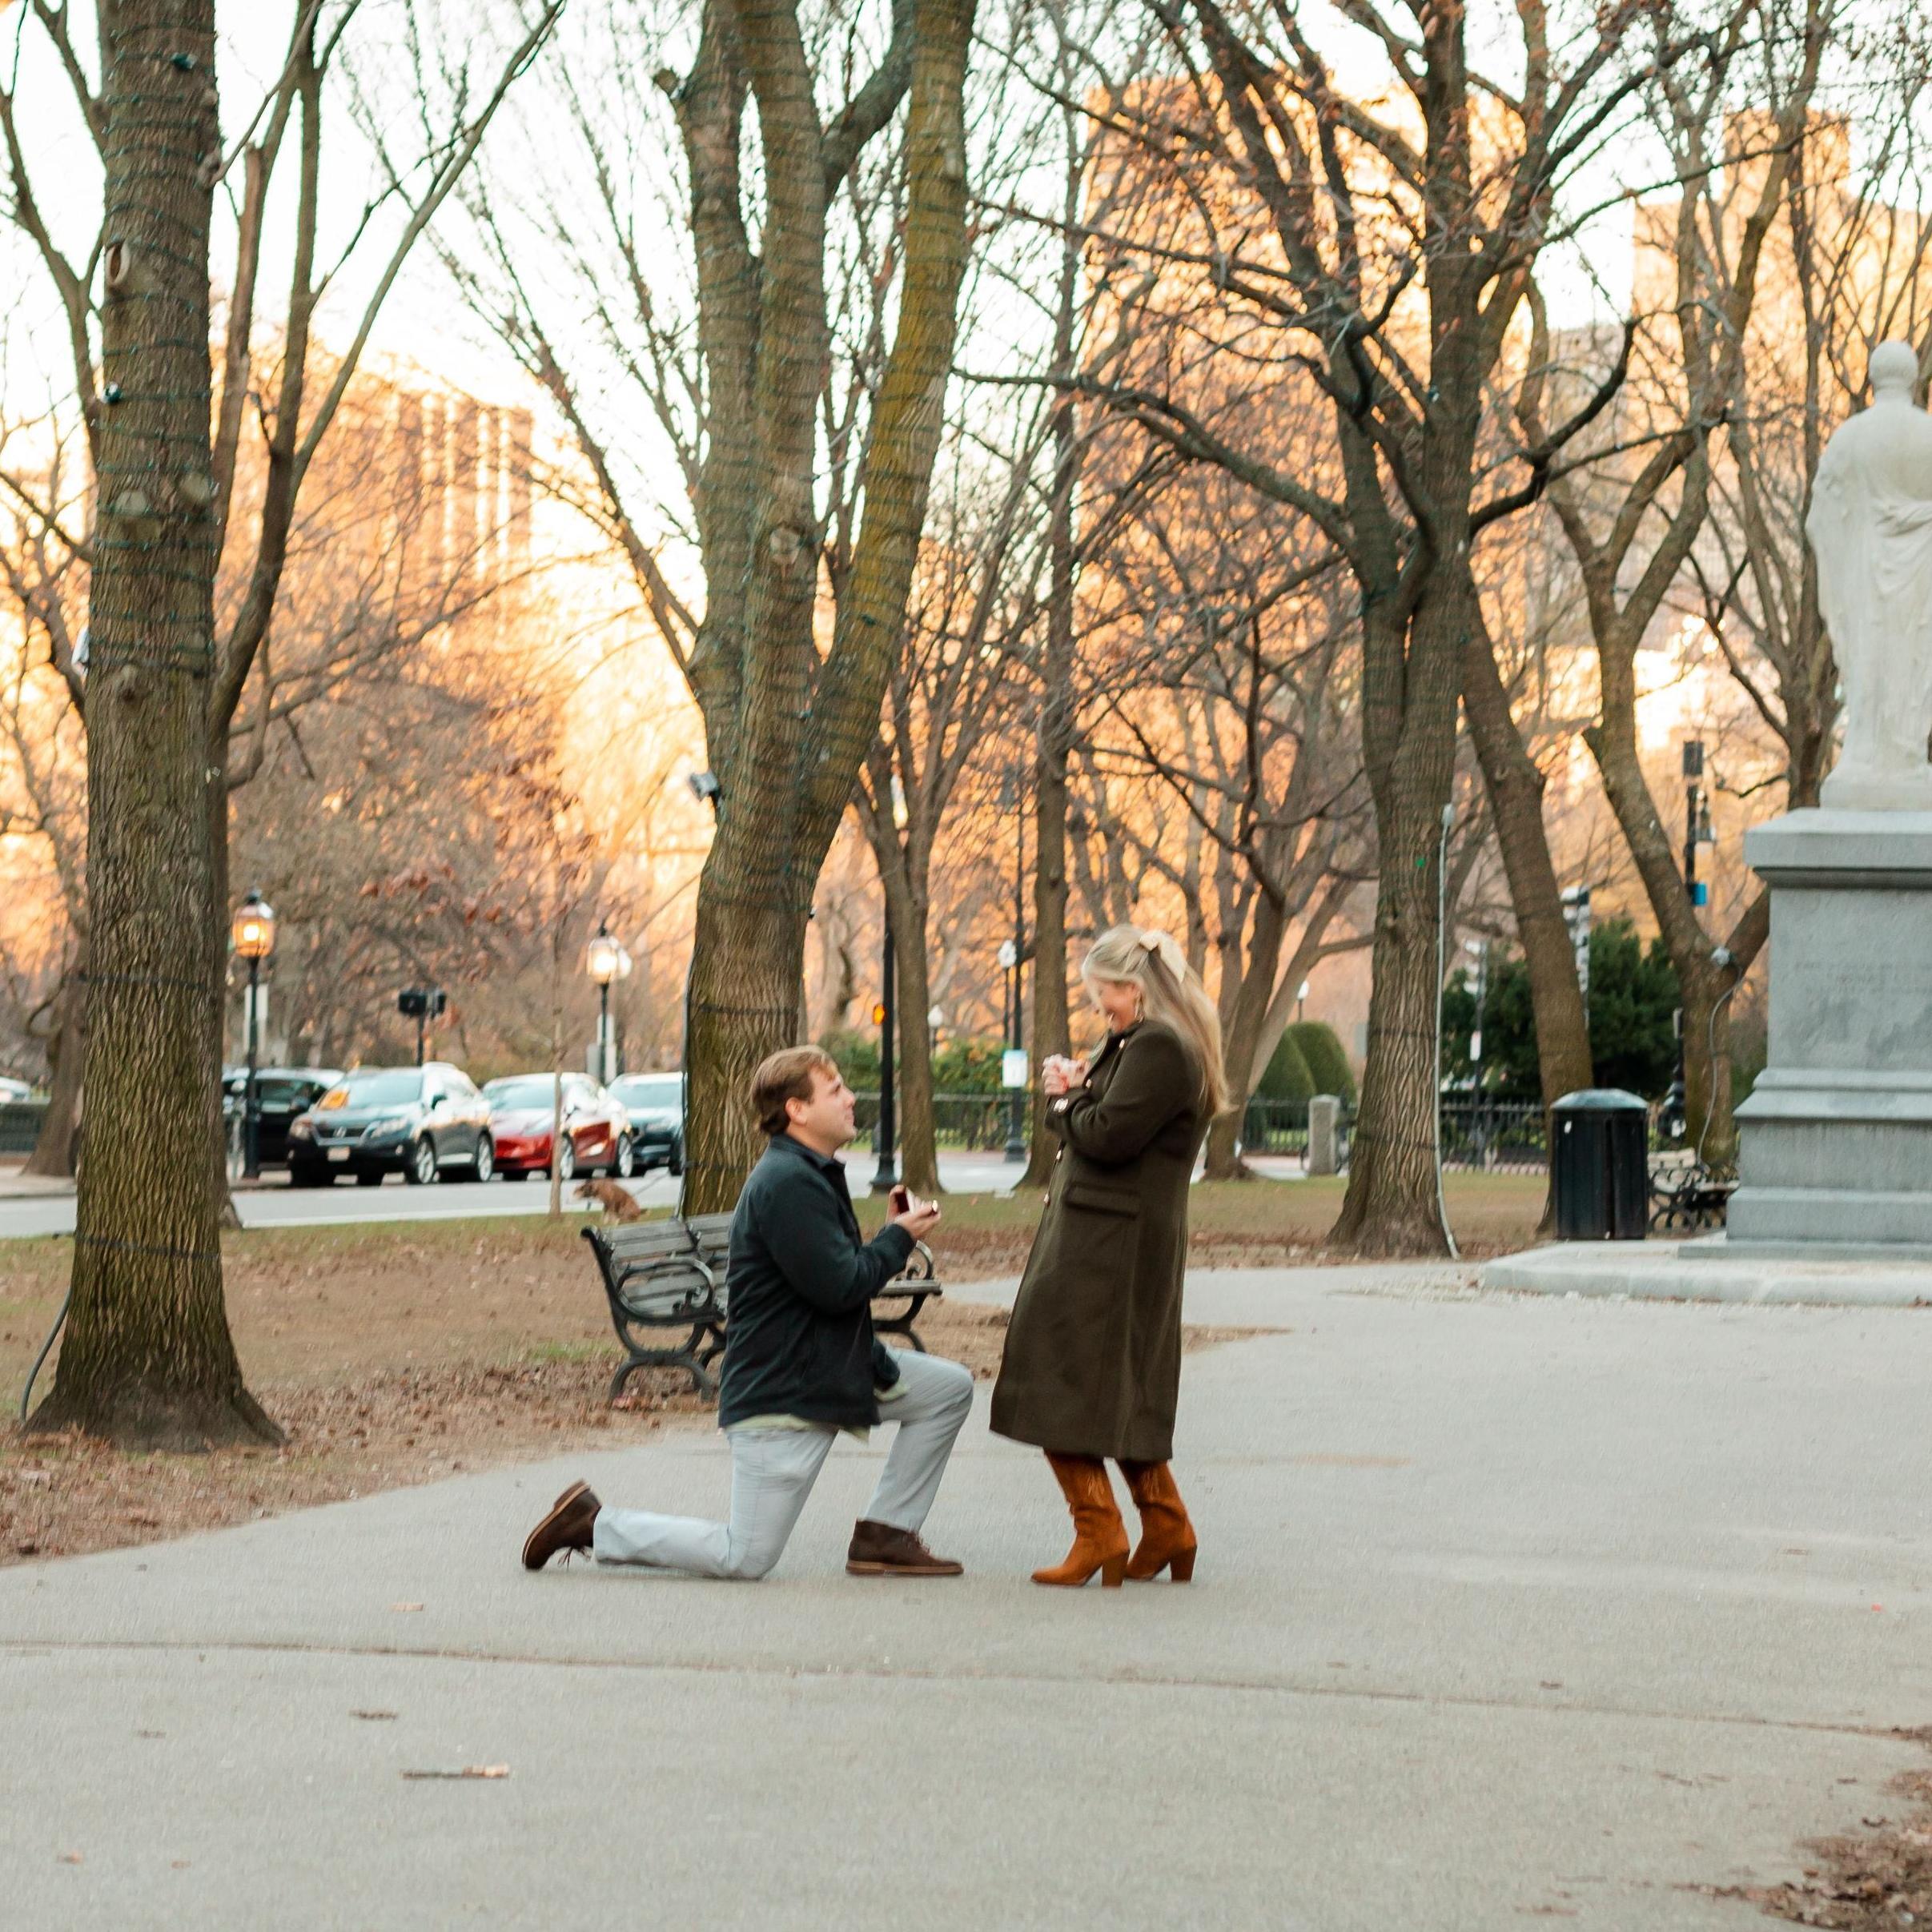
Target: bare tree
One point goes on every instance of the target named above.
(1634, 525)
(745, 385)
(147, 1355)
(1378, 256)
(1235, 682)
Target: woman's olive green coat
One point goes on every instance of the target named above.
(1093, 1358)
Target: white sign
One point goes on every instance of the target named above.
(1013, 1069)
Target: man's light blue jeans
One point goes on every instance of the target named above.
(773, 1471)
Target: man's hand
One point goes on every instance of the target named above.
(920, 1218)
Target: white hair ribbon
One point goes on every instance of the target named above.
(1167, 949)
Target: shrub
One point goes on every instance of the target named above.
(1286, 1076)
(1326, 1060)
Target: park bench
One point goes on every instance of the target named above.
(669, 1276)
(1685, 1195)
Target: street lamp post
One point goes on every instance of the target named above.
(605, 960)
(1696, 832)
(885, 1136)
(1478, 949)
(255, 940)
(1016, 1132)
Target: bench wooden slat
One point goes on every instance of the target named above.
(671, 1275)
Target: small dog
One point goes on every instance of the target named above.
(614, 1200)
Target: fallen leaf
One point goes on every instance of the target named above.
(372, 1716)
(467, 1771)
(70, 1857)
(405, 1606)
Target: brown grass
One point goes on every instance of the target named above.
(390, 1355)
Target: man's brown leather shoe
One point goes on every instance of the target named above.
(566, 1528)
(879, 1550)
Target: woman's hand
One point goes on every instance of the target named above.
(1059, 1076)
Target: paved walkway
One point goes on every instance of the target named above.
(1508, 1609)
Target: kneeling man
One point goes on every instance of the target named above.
(801, 1363)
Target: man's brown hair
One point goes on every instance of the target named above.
(783, 1076)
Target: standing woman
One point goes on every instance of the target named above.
(1093, 1358)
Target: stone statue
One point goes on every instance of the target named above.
(1870, 528)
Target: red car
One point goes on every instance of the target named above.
(596, 1129)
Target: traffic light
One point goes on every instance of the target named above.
(878, 1013)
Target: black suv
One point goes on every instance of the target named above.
(280, 1093)
(655, 1103)
(414, 1121)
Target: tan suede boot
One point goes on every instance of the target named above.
(1166, 1537)
(1100, 1538)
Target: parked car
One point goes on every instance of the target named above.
(523, 1117)
(280, 1093)
(12, 1091)
(415, 1121)
(655, 1104)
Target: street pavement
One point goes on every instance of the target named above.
(1508, 1609)
(42, 1207)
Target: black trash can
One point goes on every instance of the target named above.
(1600, 1164)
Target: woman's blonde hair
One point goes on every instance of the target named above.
(1170, 991)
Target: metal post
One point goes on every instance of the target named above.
(886, 1139)
(1678, 1105)
(251, 1106)
(422, 1021)
(1016, 1132)
(604, 1053)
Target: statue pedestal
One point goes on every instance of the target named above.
(1836, 1147)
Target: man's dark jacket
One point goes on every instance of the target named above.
(801, 1282)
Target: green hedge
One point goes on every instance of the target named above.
(1287, 1075)
(1326, 1059)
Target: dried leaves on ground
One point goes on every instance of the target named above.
(353, 1428)
(1879, 1877)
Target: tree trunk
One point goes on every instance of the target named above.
(1250, 1013)
(55, 1150)
(918, 1138)
(1391, 1205)
(148, 1359)
(1053, 741)
(748, 952)
(788, 729)
(1515, 789)
(1709, 1124)
(225, 1214)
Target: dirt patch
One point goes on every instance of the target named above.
(366, 1427)
(1880, 1877)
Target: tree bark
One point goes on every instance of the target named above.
(1250, 1011)
(1053, 741)
(905, 906)
(1391, 1205)
(787, 731)
(148, 1359)
(1515, 788)
(54, 1152)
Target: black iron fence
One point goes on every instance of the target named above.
(962, 1123)
(1478, 1133)
(1502, 1137)
(20, 1125)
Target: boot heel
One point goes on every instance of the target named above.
(1113, 1573)
(1182, 1567)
